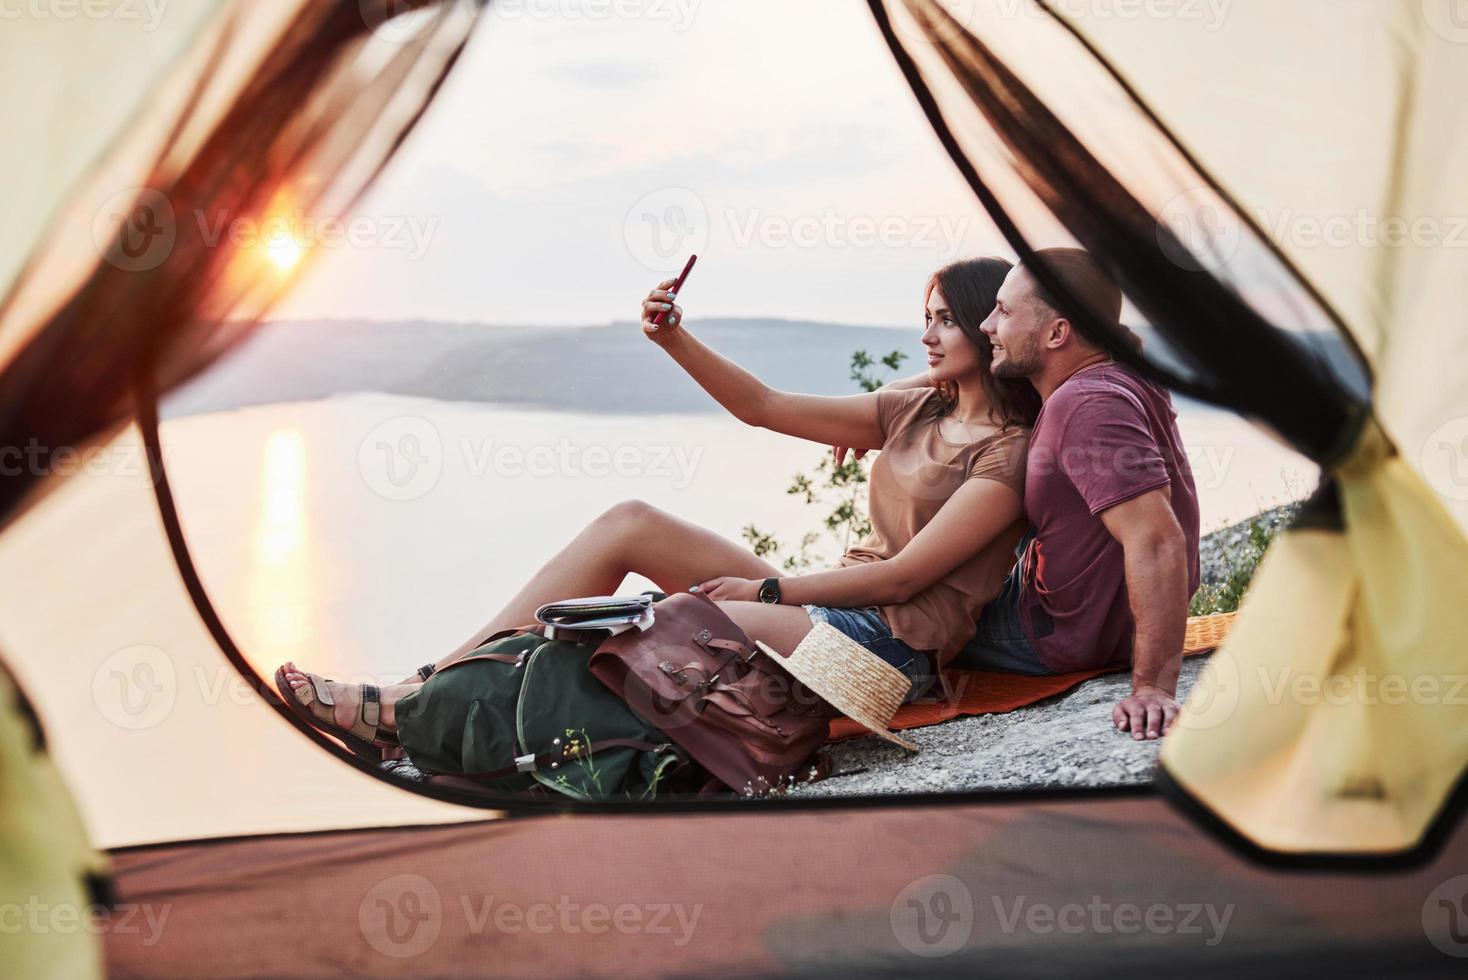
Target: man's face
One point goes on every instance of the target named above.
(1016, 327)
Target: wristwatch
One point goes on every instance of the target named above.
(769, 590)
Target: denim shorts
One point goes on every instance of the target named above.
(999, 642)
(867, 627)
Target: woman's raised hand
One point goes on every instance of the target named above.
(660, 300)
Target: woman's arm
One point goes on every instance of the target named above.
(848, 420)
(977, 513)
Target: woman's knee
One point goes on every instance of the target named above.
(629, 516)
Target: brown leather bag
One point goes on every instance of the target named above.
(696, 676)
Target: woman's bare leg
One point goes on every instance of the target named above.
(629, 537)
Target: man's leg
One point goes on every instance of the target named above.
(999, 641)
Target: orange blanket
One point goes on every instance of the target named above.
(984, 692)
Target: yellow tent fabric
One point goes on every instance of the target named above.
(1336, 718)
(1338, 128)
(99, 108)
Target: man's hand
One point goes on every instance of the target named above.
(729, 587)
(1148, 713)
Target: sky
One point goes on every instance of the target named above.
(583, 148)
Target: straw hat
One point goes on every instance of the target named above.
(852, 679)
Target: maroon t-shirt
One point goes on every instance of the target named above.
(1105, 436)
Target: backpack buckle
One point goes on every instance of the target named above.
(525, 763)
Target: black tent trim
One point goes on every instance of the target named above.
(1199, 313)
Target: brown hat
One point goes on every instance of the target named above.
(852, 679)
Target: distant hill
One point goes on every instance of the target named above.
(605, 369)
(611, 368)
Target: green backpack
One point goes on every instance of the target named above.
(521, 711)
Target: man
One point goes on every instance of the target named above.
(1106, 571)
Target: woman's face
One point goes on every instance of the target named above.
(951, 355)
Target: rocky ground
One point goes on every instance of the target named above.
(1068, 740)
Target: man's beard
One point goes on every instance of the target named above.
(1020, 363)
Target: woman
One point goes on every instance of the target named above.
(945, 506)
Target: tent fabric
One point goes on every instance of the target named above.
(280, 110)
(45, 860)
(1243, 326)
(244, 110)
(1113, 884)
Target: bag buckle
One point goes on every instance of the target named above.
(525, 763)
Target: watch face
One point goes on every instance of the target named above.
(770, 592)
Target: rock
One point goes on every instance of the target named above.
(1068, 740)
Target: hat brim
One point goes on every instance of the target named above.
(793, 666)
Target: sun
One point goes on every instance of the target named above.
(284, 253)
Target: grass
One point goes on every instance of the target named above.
(1240, 563)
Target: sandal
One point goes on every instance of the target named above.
(313, 704)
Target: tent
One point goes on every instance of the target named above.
(1174, 147)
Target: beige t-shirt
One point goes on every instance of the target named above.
(918, 469)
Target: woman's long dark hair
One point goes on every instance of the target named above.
(971, 289)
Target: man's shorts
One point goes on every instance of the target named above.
(867, 627)
(999, 641)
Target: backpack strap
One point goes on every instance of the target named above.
(554, 758)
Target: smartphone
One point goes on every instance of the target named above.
(657, 321)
